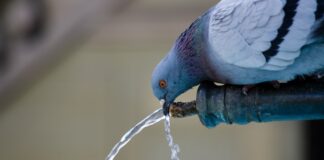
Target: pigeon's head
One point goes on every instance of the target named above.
(169, 80)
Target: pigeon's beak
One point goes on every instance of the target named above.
(166, 106)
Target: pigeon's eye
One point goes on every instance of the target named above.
(162, 84)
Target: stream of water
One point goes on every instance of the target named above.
(153, 118)
(175, 149)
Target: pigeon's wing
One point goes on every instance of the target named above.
(262, 34)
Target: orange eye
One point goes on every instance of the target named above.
(163, 84)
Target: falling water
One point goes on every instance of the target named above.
(174, 147)
(153, 118)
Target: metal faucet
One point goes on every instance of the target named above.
(295, 100)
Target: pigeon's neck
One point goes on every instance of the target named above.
(190, 48)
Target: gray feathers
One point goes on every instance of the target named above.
(261, 34)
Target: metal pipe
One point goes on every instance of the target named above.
(296, 100)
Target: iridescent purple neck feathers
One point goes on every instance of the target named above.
(190, 46)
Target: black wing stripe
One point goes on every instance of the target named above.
(319, 31)
(320, 9)
(290, 12)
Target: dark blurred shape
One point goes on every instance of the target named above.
(314, 140)
(21, 21)
(38, 10)
(33, 48)
(3, 36)
(3, 4)
(26, 19)
(3, 48)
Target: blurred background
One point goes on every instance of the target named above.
(75, 76)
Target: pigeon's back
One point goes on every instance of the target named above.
(257, 37)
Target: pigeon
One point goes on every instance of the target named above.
(244, 42)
